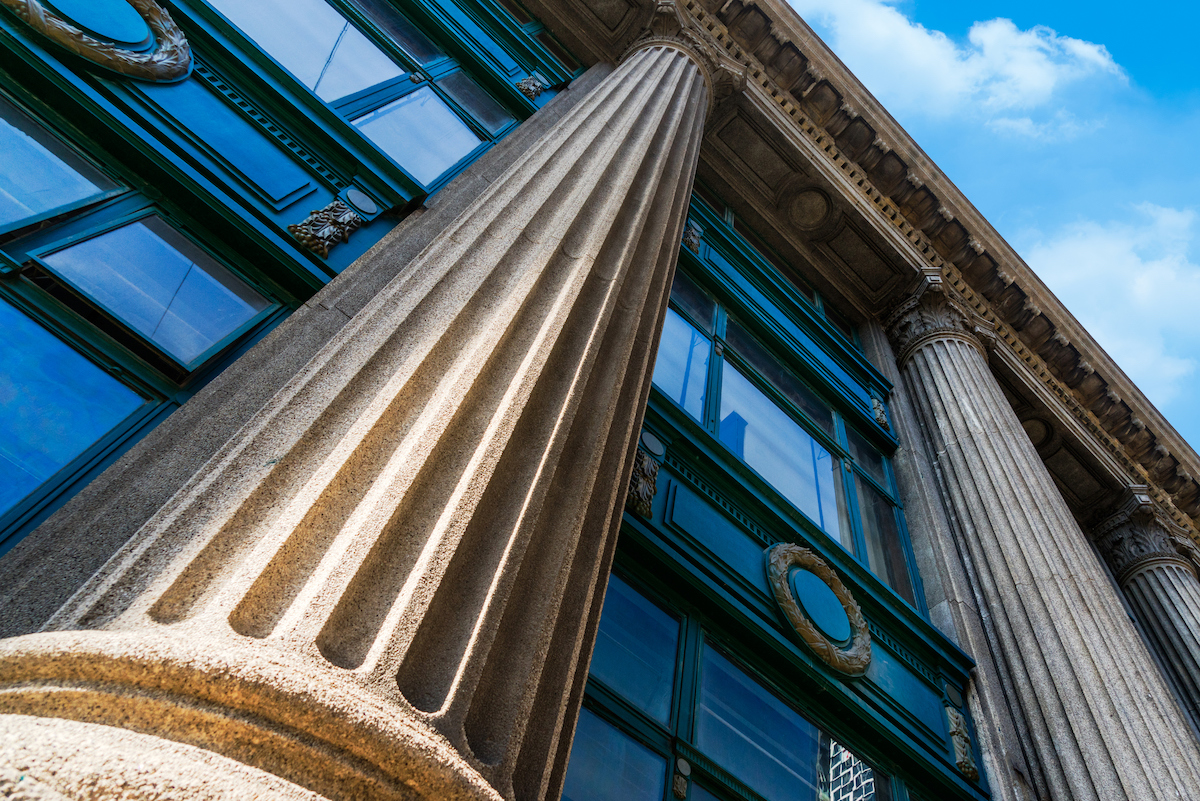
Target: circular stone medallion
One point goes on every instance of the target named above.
(360, 201)
(114, 20)
(822, 606)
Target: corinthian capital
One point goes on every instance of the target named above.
(672, 25)
(934, 312)
(1139, 535)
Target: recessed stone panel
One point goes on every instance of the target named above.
(761, 158)
(862, 259)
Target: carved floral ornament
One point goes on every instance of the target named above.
(1140, 535)
(851, 659)
(166, 56)
(933, 313)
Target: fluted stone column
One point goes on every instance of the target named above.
(1155, 564)
(386, 584)
(1098, 720)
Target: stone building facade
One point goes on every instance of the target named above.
(582, 398)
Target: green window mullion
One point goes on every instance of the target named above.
(688, 678)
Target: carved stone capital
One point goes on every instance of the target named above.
(1139, 535)
(672, 25)
(932, 313)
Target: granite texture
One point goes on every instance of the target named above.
(385, 582)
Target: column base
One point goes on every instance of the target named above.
(140, 715)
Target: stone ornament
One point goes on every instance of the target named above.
(1139, 535)
(691, 237)
(934, 312)
(643, 485)
(880, 412)
(531, 87)
(168, 57)
(672, 25)
(324, 229)
(964, 757)
(852, 659)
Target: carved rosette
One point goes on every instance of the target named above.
(852, 659)
(1139, 536)
(169, 59)
(964, 757)
(325, 228)
(643, 485)
(933, 313)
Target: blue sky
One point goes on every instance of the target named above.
(1074, 128)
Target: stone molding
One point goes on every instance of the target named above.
(960, 735)
(1139, 535)
(852, 659)
(168, 59)
(933, 313)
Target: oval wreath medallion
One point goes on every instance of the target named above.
(169, 59)
(851, 659)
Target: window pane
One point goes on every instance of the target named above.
(38, 173)
(401, 31)
(845, 777)
(689, 297)
(54, 404)
(775, 445)
(885, 552)
(635, 650)
(681, 367)
(160, 285)
(606, 765)
(314, 42)
(866, 457)
(791, 387)
(755, 736)
(421, 133)
(471, 96)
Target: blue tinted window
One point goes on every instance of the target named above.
(606, 765)
(775, 445)
(635, 650)
(754, 735)
(314, 42)
(681, 367)
(54, 404)
(161, 286)
(885, 549)
(38, 173)
(421, 133)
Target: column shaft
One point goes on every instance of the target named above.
(1154, 563)
(1101, 723)
(398, 558)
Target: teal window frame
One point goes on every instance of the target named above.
(454, 28)
(28, 284)
(835, 441)
(700, 628)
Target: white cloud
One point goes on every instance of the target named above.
(1000, 68)
(1135, 286)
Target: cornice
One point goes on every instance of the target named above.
(948, 233)
(787, 66)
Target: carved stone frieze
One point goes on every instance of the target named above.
(643, 485)
(851, 659)
(323, 229)
(167, 58)
(1140, 535)
(964, 758)
(933, 312)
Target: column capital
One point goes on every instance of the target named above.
(934, 312)
(672, 25)
(1139, 535)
